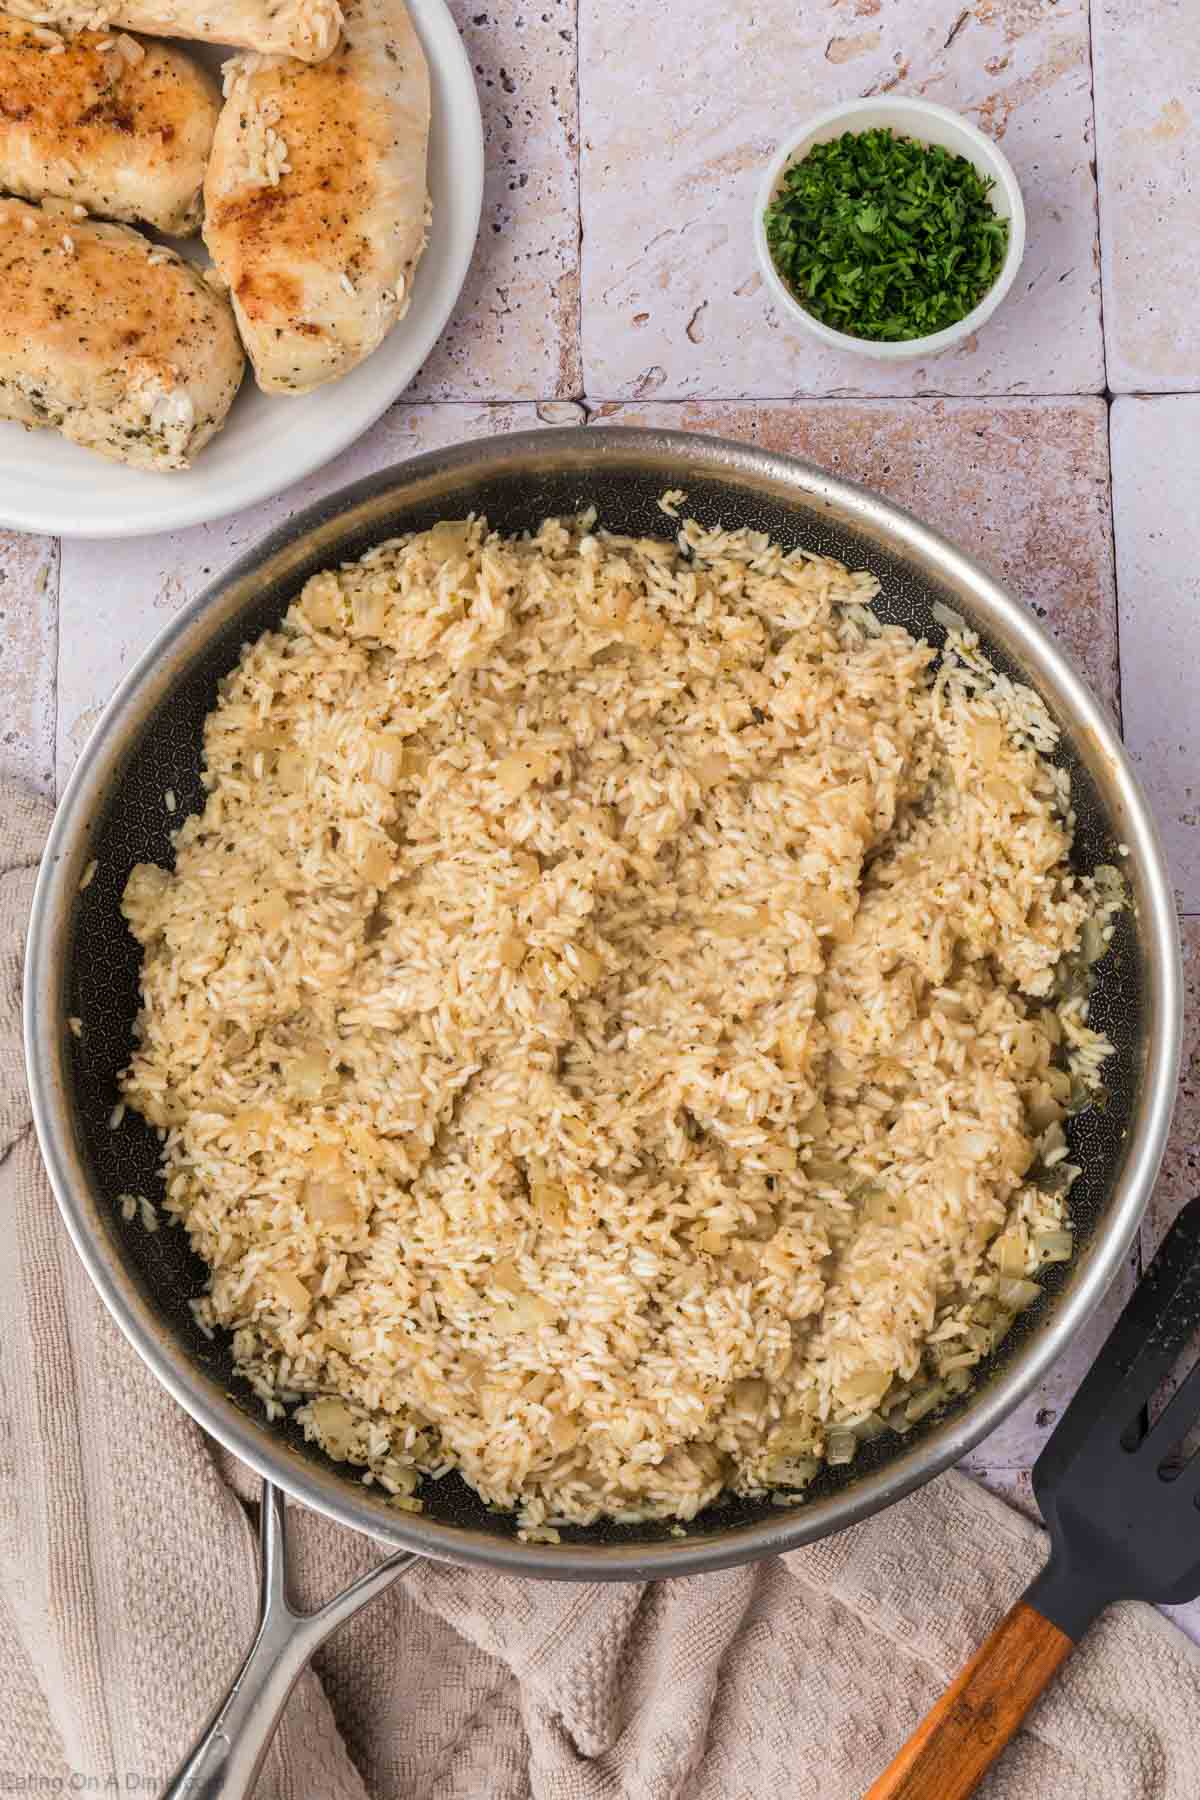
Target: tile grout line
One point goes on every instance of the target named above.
(579, 396)
(1108, 395)
(1091, 36)
(56, 670)
(748, 400)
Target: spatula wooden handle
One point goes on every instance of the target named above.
(953, 1748)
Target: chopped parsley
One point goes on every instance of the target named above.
(885, 238)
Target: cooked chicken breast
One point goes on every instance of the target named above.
(124, 130)
(304, 28)
(112, 340)
(316, 209)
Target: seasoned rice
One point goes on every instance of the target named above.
(612, 1023)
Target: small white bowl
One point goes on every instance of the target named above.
(927, 124)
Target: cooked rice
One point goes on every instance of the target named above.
(607, 1022)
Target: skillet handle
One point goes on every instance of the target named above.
(224, 1763)
(955, 1745)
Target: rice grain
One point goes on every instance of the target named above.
(609, 1013)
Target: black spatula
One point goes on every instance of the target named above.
(1122, 1506)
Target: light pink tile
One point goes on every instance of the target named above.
(28, 654)
(1147, 84)
(1021, 484)
(677, 131)
(1156, 515)
(116, 596)
(515, 333)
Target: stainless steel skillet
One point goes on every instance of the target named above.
(81, 962)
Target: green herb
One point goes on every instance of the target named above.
(884, 238)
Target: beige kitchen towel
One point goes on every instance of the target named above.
(127, 1588)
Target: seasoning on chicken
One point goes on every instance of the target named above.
(316, 207)
(117, 126)
(304, 28)
(112, 340)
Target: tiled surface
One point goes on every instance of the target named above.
(1147, 72)
(615, 262)
(28, 654)
(675, 137)
(515, 333)
(1156, 466)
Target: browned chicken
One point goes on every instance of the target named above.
(316, 207)
(304, 28)
(114, 341)
(121, 127)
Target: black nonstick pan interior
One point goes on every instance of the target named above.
(161, 754)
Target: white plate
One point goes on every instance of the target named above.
(49, 485)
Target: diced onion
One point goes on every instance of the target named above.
(815, 1123)
(1054, 1246)
(587, 964)
(322, 602)
(987, 740)
(869, 1385)
(369, 612)
(549, 1200)
(1091, 941)
(712, 769)
(376, 865)
(1010, 1251)
(329, 1202)
(791, 1435)
(515, 774)
(923, 1403)
(1059, 1083)
(522, 1312)
(335, 1425)
(999, 1329)
(794, 1471)
(252, 1118)
(512, 950)
(387, 757)
(1017, 1295)
(869, 1427)
(290, 770)
(272, 911)
(1053, 1138)
(564, 1432)
(825, 1171)
(289, 1288)
(449, 537)
(715, 1243)
(506, 1275)
(307, 1074)
(739, 924)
